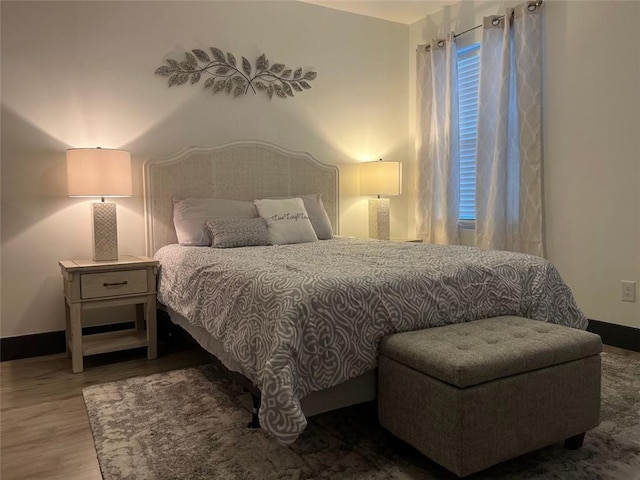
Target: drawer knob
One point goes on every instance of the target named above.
(105, 284)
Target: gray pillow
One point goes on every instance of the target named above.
(318, 215)
(238, 232)
(190, 215)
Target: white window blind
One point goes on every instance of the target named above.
(468, 82)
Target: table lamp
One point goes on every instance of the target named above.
(100, 172)
(380, 178)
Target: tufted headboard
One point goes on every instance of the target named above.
(242, 170)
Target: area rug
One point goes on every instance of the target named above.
(191, 424)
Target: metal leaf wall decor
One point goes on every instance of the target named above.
(223, 73)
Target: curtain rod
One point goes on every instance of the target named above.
(470, 29)
(532, 4)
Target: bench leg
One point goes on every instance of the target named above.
(574, 442)
(255, 421)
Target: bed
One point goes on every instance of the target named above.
(302, 321)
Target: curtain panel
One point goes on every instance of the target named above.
(509, 208)
(437, 186)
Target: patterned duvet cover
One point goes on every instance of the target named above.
(302, 318)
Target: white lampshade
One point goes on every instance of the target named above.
(98, 172)
(381, 178)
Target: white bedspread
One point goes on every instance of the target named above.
(302, 318)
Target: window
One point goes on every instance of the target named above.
(468, 82)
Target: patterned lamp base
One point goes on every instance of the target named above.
(104, 225)
(379, 218)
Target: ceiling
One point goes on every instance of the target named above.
(400, 11)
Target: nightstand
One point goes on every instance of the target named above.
(89, 285)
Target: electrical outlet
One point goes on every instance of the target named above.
(628, 293)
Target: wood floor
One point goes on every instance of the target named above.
(44, 428)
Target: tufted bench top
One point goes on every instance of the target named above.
(466, 354)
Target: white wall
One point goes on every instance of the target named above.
(591, 128)
(80, 74)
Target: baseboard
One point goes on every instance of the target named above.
(616, 335)
(24, 346)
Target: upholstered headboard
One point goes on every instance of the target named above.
(243, 170)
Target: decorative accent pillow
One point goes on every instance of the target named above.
(317, 214)
(287, 220)
(238, 232)
(190, 215)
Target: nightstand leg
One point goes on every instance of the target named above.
(152, 334)
(76, 337)
(67, 331)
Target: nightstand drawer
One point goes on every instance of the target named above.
(111, 284)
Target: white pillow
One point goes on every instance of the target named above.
(287, 221)
(190, 216)
(317, 214)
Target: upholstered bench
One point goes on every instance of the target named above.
(471, 395)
